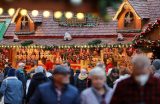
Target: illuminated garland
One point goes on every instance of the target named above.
(69, 46)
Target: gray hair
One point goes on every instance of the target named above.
(97, 71)
(141, 61)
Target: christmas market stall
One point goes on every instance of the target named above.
(149, 40)
(83, 39)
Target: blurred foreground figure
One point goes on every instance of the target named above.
(57, 91)
(12, 89)
(156, 68)
(99, 93)
(141, 87)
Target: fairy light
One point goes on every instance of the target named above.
(11, 11)
(35, 13)
(58, 14)
(1, 11)
(68, 15)
(23, 12)
(46, 14)
(80, 16)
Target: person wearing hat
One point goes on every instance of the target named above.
(38, 78)
(12, 89)
(58, 91)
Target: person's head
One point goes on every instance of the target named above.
(21, 65)
(39, 69)
(11, 72)
(67, 64)
(83, 71)
(156, 64)
(61, 75)
(98, 77)
(124, 71)
(114, 73)
(7, 65)
(32, 64)
(141, 68)
(109, 61)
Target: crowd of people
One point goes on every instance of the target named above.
(63, 85)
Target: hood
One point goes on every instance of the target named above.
(39, 76)
(156, 64)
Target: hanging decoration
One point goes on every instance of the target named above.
(26, 43)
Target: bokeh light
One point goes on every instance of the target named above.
(58, 14)
(68, 15)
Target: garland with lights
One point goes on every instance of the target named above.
(141, 41)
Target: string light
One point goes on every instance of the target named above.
(11, 11)
(35, 13)
(1, 11)
(58, 14)
(46, 14)
(23, 12)
(68, 15)
(80, 16)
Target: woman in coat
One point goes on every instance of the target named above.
(81, 82)
(38, 78)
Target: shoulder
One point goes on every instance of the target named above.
(45, 85)
(87, 92)
(72, 89)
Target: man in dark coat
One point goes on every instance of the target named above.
(58, 91)
(141, 87)
(37, 79)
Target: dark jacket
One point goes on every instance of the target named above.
(76, 76)
(71, 77)
(36, 80)
(46, 94)
(81, 84)
(6, 71)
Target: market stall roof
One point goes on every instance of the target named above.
(143, 8)
(50, 27)
(59, 42)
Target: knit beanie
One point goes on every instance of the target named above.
(39, 69)
(11, 72)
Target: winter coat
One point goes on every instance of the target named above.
(81, 84)
(36, 80)
(76, 77)
(47, 94)
(12, 90)
(91, 96)
(6, 71)
(71, 77)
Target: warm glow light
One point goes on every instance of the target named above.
(80, 16)
(68, 15)
(57, 14)
(35, 13)
(23, 12)
(46, 14)
(11, 11)
(1, 11)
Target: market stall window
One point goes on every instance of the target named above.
(24, 24)
(129, 20)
